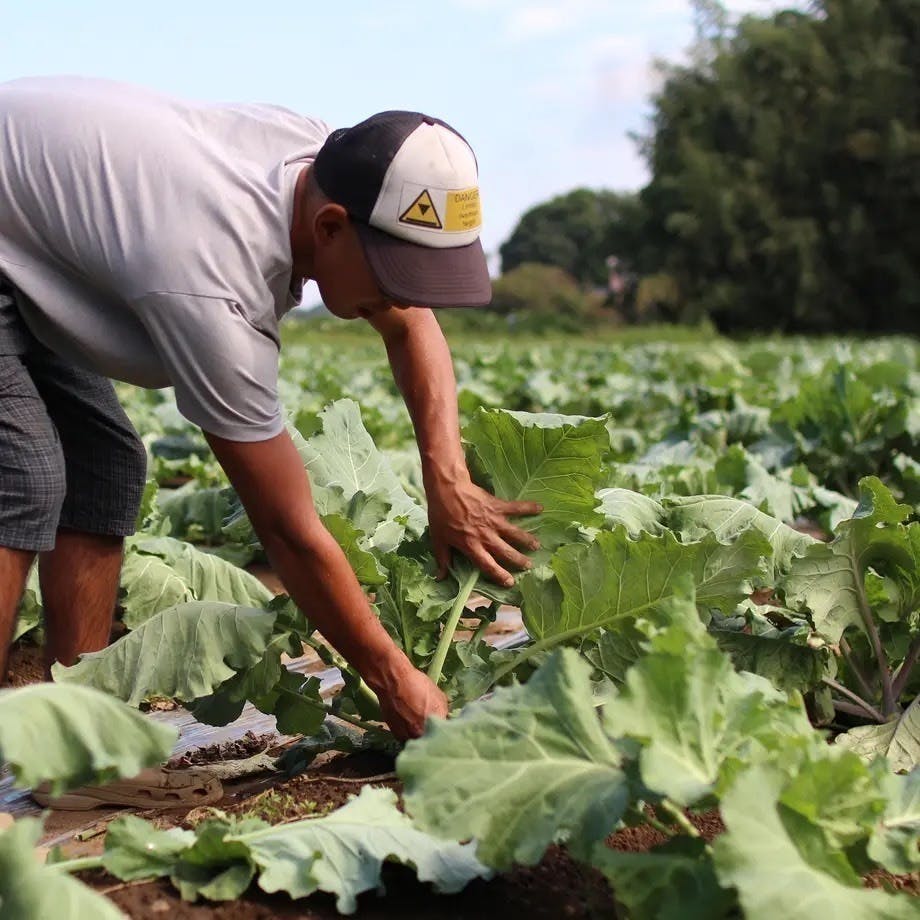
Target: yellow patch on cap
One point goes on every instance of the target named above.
(462, 212)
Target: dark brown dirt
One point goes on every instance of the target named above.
(908, 884)
(326, 787)
(644, 837)
(26, 664)
(556, 889)
(304, 797)
(356, 766)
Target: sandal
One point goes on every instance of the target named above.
(156, 787)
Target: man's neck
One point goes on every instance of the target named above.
(301, 239)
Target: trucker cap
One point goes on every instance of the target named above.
(410, 184)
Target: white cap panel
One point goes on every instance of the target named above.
(439, 207)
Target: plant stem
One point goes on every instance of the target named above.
(851, 709)
(339, 662)
(867, 708)
(326, 708)
(855, 668)
(540, 646)
(81, 864)
(659, 826)
(353, 720)
(480, 629)
(368, 695)
(903, 674)
(677, 813)
(450, 627)
(888, 703)
(526, 653)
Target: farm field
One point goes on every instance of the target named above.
(703, 701)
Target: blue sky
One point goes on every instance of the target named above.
(545, 92)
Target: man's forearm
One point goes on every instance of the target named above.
(317, 576)
(424, 373)
(462, 516)
(271, 482)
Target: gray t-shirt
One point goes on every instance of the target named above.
(149, 238)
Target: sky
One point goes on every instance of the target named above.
(546, 93)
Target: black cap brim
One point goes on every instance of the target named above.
(424, 276)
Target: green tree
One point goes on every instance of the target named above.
(786, 170)
(576, 232)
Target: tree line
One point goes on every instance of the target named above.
(784, 193)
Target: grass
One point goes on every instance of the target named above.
(279, 805)
(296, 330)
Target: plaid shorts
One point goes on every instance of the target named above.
(69, 456)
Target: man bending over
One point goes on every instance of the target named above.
(159, 242)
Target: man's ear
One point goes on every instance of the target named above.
(329, 223)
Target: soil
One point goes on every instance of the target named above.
(26, 664)
(328, 785)
(557, 888)
(907, 884)
(644, 837)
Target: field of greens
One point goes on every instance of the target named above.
(724, 616)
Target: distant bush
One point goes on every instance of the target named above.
(534, 294)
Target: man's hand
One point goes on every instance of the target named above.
(464, 517)
(460, 514)
(407, 704)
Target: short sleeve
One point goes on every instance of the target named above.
(224, 370)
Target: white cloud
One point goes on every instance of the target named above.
(527, 20)
(585, 70)
(523, 20)
(626, 80)
(621, 69)
(535, 22)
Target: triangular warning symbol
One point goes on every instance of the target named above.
(421, 213)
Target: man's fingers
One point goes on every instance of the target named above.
(442, 558)
(509, 554)
(518, 536)
(520, 509)
(489, 567)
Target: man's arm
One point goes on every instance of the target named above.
(271, 482)
(461, 515)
